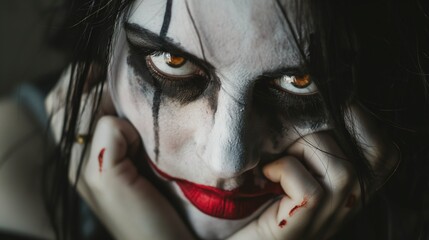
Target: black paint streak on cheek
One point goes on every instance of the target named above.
(273, 122)
(138, 69)
(277, 128)
(145, 85)
(275, 141)
(156, 103)
(155, 115)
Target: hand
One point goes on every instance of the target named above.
(127, 203)
(321, 187)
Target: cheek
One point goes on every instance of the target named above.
(281, 132)
(138, 110)
(177, 128)
(128, 97)
(183, 127)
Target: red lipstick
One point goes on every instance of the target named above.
(227, 204)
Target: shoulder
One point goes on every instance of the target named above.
(22, 151)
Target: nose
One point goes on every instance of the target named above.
(230, 147)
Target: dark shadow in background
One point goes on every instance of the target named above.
(25, 29)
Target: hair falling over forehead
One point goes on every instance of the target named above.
(341, 62)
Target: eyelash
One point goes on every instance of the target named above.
(293, 106)
(164, 77)
(297, 108)
(182, 90)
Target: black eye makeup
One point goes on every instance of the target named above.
(292, 94)
(181, 76)
(172, 67)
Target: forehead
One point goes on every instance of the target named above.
(246, 37)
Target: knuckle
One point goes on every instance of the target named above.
(344, 179)
(283, 164)
(315, 197)
(105, 122)
(287, 163)
(91, 180)
(108, 123)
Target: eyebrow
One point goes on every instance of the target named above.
(142, 38)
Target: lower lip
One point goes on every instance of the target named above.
(225, 204)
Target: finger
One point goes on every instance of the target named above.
(320, 153)
(82, 129)
(294, 178)
(336, 174)
(54, 104)
(87, 114)
(286, 217)
(345, 211)
(113, 139)
(56, 100)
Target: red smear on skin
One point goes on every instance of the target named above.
(293, 210)
(351, 201)
(282, 223)
(100, 159)
(232, 204)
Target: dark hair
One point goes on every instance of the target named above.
(372, 52)
(87, 37)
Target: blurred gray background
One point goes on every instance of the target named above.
(25, 55)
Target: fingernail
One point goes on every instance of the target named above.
(100, 159)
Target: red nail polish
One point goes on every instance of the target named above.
(282, 223)
(100, 159)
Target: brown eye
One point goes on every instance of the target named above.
(301, 81)
(300, 85)
(173, 60)
(172, 66)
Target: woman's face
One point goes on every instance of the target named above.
(216, 90)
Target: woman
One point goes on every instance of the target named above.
(240, 120)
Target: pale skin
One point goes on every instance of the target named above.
(222, 143)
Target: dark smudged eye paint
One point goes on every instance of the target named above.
(137, 64)
(158, 91)
(155, 115)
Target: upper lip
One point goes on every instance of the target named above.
(229, 204)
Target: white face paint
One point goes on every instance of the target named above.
(232, 96)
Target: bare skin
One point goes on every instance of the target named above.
(312, 196)
(227, 138)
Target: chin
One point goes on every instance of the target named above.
(215, 213)
(209, 227)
